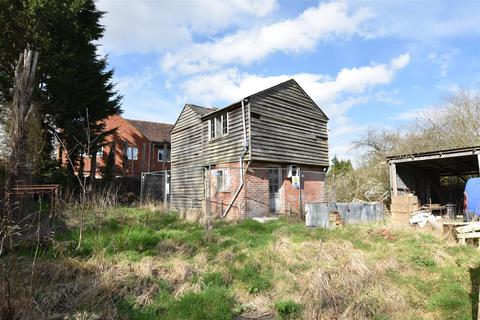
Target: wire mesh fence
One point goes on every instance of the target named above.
(155, 187)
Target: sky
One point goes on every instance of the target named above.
(367, 64)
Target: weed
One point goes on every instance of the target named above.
(216, 279)
(288, 309)
(423, 261)
(251, 275)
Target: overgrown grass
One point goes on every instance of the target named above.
(140, 264)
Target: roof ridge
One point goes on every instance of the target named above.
(149, 121)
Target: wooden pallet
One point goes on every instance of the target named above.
(469, 231)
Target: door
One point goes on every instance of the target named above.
(274, 185)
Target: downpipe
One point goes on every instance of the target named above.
(242, 156)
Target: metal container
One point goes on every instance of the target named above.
(451, 209)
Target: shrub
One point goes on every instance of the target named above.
(288, 309)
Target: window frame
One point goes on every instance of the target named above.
(224, 186)
(211, 129)
(225, 126)
(219, 126)
(130, 153)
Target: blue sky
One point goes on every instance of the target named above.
(366, 63)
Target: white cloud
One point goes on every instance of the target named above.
(154, 26)
(422, 21)
(230, 84)
(335, 95)
(443, 60)
(133, 83)
(323, 22)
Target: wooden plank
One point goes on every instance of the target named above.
(468, 235)
(471, 226)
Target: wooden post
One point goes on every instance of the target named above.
(478, 301)
(393, 180)
(144, 155)
(165, 153)
(478, 160)
(300, 192)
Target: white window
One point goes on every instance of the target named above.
(223, 180)
(132, 153)
(225, 124)
(211, 129)
(218, 126)
(100, 152)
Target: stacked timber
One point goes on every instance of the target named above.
(402, 207)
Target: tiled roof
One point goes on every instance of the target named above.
(153, 131)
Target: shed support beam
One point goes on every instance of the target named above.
(478, 158)
(393, 180)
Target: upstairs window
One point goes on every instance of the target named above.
(211, 129)
(132, 153)
(163, 155)
(218, 126)
(225, 124)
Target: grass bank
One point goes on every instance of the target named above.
(143, 264)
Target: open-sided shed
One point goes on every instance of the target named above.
(425, 174)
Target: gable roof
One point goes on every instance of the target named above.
(202, 110)
(265, 91)
(153, 131)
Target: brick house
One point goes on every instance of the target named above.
(140, 146)
(267, 153)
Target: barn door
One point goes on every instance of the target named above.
(274, 185)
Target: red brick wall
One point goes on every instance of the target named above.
(147, 154)
(219, 201)
(253, 200)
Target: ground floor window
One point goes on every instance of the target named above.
(223, 179)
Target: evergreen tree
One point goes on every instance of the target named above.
(75, 90)
(340, 166)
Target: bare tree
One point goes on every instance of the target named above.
(21, 110)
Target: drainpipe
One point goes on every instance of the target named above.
(242, 156)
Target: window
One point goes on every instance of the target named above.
(218, 126)
(211, 129)
(132, 153)
(222, 180)
(225, 124)
(100, 152)
(161, 155)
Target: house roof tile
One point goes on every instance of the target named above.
(153, 131)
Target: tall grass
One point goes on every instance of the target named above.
(146, 264)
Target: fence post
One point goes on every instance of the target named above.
(165, 177)
(300, 192)
(141, 187)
